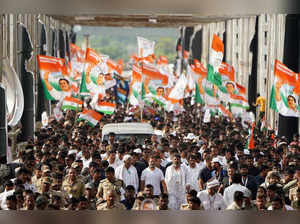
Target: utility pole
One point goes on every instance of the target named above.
(182, 49)
(87, 40)
(3, 120)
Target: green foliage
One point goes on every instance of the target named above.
(121, 43)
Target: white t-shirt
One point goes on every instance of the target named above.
(153, 177)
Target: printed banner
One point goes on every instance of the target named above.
(285, 91)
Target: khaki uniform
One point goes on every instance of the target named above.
(79, 177)
(185, 207)
(62, 194)
(293, 193)
(105, 186)
(116, 207)
(295, 205)
(38, 184)
(34, 180)
(75, 190)
(290, 185)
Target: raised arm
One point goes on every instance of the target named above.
(88, 77)
(201, 89)
(46, 77)
(278, 85)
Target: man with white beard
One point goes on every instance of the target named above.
(128, 173)
(176, 183)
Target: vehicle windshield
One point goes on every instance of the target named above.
(140, 137)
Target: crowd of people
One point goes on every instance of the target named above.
(193, 165)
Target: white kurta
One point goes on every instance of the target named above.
(176, 185)
(212, 203)
(229, 192)
(129, 176)
(192, 177)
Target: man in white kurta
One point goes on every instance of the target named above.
(210, 199)
(176, 183)
(235, 186)
(192, 174)
(128, 173)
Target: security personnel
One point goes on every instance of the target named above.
(72, 185)
(110, 183)
(110, 202)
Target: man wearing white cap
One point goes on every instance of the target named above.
(210, 198)
(128, 173)
(219, 173)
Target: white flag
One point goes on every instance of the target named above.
(145, 47)
(177, 92)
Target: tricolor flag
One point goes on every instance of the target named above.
(135, 85)
(250, 143)
(215, 61)
(285, 91)
(224, 111)
(71, 103)
(105, 107)
(91, 116)
(56, 84)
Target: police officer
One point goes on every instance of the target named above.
(110, 202)
(110, 183)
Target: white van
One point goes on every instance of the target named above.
(125, 130)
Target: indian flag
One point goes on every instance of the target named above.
(285, 91)
(250, 142)
(215, 61)
(238, 104)
(71, 103)
(91, 116)
(224, 111)
(105, 107)
(135, 85)
(198, 98)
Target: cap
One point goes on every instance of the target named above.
(217, 160)
(138, 150)
(213, 183)
(75, 165)
(89, 186)
(190, 136)
(45, 170)
(126, 157)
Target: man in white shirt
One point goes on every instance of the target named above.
(112, 159)
(128, 173)
(236, 186)
(9, 190)
(192, 174)
(210, 198)
(176, 182)
(154, 176)
(86, 158)
(278, 204)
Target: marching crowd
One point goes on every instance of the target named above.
(193, 165)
